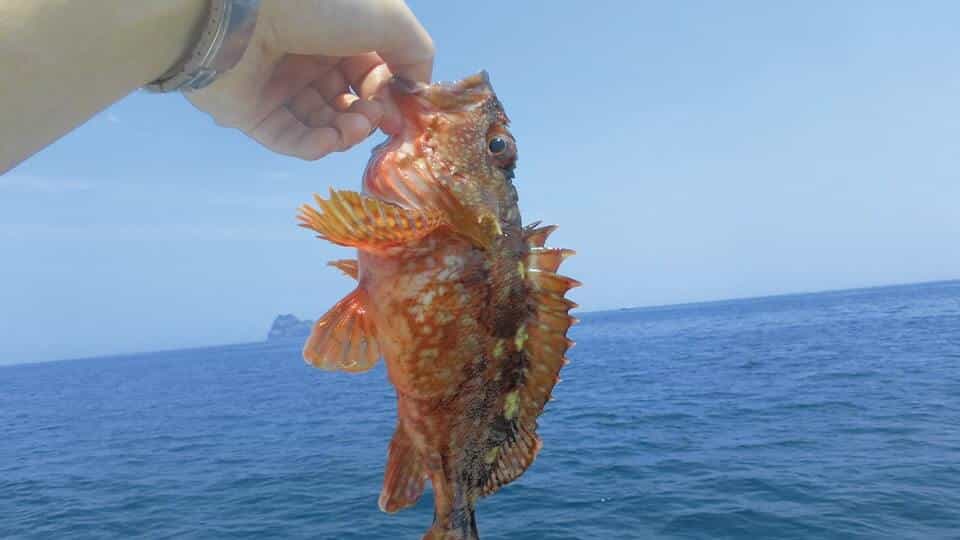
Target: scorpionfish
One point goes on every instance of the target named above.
(461, 300)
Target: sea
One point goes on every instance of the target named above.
(829, 415)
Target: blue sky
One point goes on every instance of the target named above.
(688, 150)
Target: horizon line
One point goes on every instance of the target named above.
(611, 310)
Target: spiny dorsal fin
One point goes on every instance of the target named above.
(352, 219)
(550, 282)
(345, 338)
(347, 266)
(542, 339)
(404, 476)
(545, 340)
(535, 235)
(548, 259)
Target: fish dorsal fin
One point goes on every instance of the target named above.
(544, 335)
(549, 259)
(535, 235)
(510, 460)
(542, 339)
(347, 266)
(344, 338)
(546, 341)
(404, 477)
(349, 218)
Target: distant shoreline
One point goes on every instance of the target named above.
(580, 314)
(779, 296)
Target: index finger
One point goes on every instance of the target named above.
(407, 47)
(353, 27)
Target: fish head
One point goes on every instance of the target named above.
(455, 134)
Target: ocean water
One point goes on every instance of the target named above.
(833, 415)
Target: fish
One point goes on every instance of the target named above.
(461, 300)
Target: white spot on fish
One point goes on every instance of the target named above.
(427, 298)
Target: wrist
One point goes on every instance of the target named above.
(218, 47)
(181, 21)
(64, 60)
(161, 33)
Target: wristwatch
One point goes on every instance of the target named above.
(220, 46)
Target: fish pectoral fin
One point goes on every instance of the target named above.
(347, 266)
(481, 228)
(404, 477)
(344, 338)
(352, 219)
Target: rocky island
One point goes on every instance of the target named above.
(289, 326)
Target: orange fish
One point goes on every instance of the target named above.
(461, 300)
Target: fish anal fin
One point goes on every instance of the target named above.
(352, 219)
(404, 477)
(344, 339)
(347, 266)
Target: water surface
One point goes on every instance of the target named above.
(832, 415)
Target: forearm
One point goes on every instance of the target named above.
(62, 61)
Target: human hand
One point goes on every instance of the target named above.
(307, 83)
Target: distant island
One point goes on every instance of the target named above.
(289, 326)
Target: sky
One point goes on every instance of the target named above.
(688, 150)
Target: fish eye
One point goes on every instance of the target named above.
(497, 145)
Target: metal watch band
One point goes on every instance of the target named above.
(220, 46)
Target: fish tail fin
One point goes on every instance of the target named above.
(461, 524)
(405, 474)
(454, 515)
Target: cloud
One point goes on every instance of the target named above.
(42, 184)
